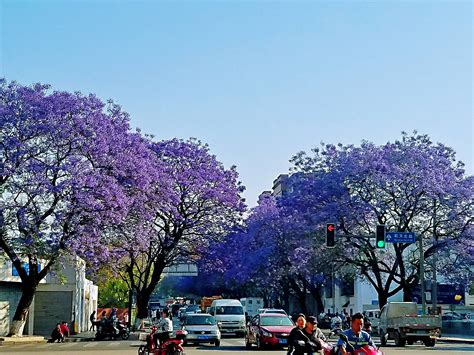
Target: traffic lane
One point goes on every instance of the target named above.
(228, 346)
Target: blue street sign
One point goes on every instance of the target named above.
(26, 266)
(400, 237)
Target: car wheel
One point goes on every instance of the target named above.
(142, 350)
(217, 343)
(399, 341)
(430, 342)
(383, 338)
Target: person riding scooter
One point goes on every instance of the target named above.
(356, 337)
(165, 327)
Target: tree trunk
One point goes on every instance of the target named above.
(316, 293)
(19, 319)
(142, 304)
(383, 298)
(407, 293)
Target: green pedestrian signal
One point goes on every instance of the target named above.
(380, 237)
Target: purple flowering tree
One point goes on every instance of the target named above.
(409, 185)
(200, 201)
(66, 163)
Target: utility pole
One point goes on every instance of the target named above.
(422, 275)
(434, 290)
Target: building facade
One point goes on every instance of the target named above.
(65, 296)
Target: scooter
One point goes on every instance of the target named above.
(365, 350)
(106, 330)
(172, 346)
(368, 327)
(336, 330)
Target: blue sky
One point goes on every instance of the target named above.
(257, 80)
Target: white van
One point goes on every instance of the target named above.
(230, 315)
(251, 305)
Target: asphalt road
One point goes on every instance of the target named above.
(228, 347)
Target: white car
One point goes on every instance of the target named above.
(202, 328)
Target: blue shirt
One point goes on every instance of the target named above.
(356, 341)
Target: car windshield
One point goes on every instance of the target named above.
(279, 311)
(201, 320)
(275, 321)
(237, 310)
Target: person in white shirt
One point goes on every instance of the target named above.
(336, 319)
(165, 328)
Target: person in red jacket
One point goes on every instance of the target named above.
(64, 330)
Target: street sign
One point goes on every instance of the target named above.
(400, 237)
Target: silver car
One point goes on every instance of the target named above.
(202, 328)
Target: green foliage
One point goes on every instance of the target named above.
(113, 293)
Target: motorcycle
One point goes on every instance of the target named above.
(336, 330)
(368, 328)
(365, 350)
(106, 330)
(171, 346)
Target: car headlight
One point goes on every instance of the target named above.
(266, 334)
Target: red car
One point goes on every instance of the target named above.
(268, 329)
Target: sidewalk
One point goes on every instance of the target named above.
(21, 340)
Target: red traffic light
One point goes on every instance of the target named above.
(330, 235)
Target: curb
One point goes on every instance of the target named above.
(456, 340)
(22, 340)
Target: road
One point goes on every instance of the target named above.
(228, 347)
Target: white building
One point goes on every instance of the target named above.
(67, 296)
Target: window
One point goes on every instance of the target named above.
(235, 310)
(200, 320)
(276, 321)
(347, 288)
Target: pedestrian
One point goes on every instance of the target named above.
(56, 334)
(92, 319)
(65, 330)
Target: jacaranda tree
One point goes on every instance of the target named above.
(202, 203)
(66, 163)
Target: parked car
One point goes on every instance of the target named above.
(268, 329)
(201, 328)
(452, 316)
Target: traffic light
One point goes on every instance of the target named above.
(380, 237)
(330, 235)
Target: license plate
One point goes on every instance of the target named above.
(282, 341)
(203, 337)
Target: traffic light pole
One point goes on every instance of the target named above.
(422, 275)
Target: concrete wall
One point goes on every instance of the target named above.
(10, 294)
(72, 296)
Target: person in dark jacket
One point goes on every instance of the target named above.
(57, 334)
(314, 334)
(297, 340)
(92, 319)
